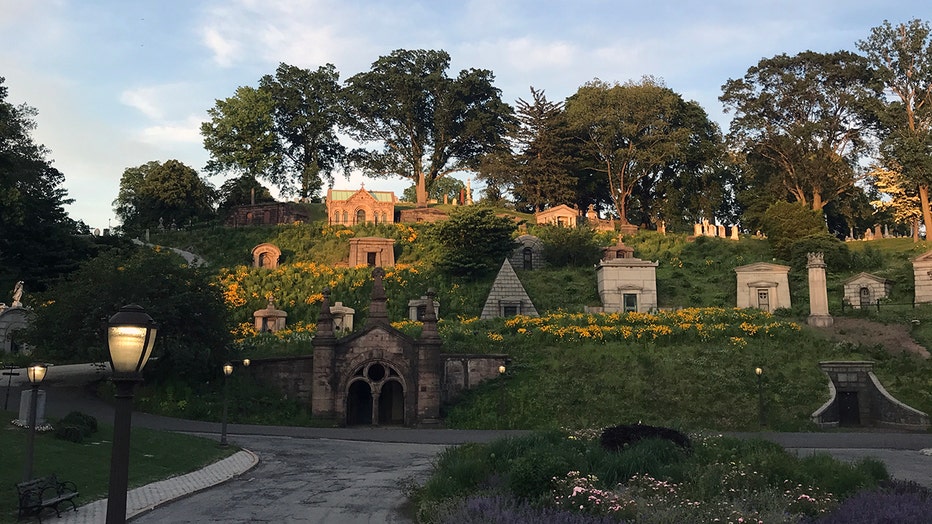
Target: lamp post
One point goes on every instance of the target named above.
(760, 396)
(36, 373)
(227, 371)
(501, 394)
(130, 338)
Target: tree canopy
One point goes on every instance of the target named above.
(37, 238)
(633, 132)
(241, 138)
(157, 193)
(424, 124)
(804, 115)
(474, 240)
(902, 57)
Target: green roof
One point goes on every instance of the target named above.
(345, 194)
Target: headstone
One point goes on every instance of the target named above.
(697, 230)
(868, 234)
(721, 231)
(342, 317)
(25, 400)
(878, 233)
(734, 232)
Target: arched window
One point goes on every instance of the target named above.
(336, 217)
(361, 216)
(345, 218)
(528, 258)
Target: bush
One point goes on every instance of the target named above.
(569, 246)
(77, 418)
(836, 253)
(785, 222)
(618, 437)
(71, 433)
(900, 502)
(504, 510)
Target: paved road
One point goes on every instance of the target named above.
(358, 475)
(311, 481)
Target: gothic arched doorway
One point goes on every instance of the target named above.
(359, 404)
(375, 396)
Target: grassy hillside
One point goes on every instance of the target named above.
(700, 375)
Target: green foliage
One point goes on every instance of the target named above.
(424, 124)
(652, 481)
(168, 194)
(568, 246)
(786, 222)
(474, 241)
(183, 300)
(836, 253)
(38, 242)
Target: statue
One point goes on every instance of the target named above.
(18, 294)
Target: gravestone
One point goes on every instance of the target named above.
(25, 400)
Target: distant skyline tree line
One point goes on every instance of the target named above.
(834, 132)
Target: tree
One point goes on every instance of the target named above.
(787, 222)
(240, 191)
(630, 130)
(445, 187)
(241, 136)
(193, 326)
(37, 238)
(902, 57)
(474, 241)
(428, 125)
(306, 111)
(901, 197)
(804, 115)
(543, 175)
(163, 193)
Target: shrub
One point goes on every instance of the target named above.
(569, 246)
(785, 222)
(77, 418)
(900, 502)
(618, 437)
(70, 433)
(837, 255)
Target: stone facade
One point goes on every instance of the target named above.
(599, 224)
(922, 277)
(763, 286)
(269, 318)
(865, 289)
(626, 283)
(372, 252)
(273, 213)
(529, 254)
(562, 215)
(266, 255)
(507, 297)
(417, 308)
(858, 399)
(378, 375)
(422, 214)
(349, 208)
(13, 319)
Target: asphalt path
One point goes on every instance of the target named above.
(359, 475)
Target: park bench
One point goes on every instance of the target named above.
(45, 492)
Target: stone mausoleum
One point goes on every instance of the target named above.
(626, 283)
(762, 285)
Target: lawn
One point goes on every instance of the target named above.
(154, 455)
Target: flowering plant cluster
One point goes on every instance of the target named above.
(706, 324)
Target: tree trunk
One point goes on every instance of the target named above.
(817, 203)
(926, 213)
(915, 229)
(420, 190)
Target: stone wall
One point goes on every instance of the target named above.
(465, 371)
(290, 375)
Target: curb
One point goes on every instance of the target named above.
(146, 498)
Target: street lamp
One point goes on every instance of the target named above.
(227, 371)
(130, 338)
(245, 362)
(36, 373)
(501, 394)
(760, 396)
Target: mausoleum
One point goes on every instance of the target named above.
(763, 285)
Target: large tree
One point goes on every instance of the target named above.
(37, 238)
(631, 131)
(306, 111)
(902, 57)
(425, 124)
(157, 193)
(804, 115)
(543, 165)
(241, 136)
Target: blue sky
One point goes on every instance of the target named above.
(118, 83)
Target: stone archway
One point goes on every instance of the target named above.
(376, 395)
(359, 404)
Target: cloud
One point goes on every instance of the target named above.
(168, 134)
(223, 48)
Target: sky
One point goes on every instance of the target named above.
(118, 83)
